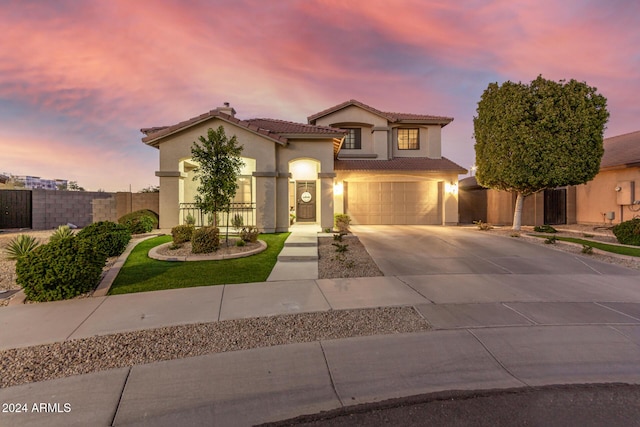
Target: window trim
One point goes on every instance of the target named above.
(357, 139)
(408, 137)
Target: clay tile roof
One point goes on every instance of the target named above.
(271, 128)
(621, 150)
(390, 116)
(400, 163)
(285, 127)
(158, 132)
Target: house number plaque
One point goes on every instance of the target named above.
(306, 197)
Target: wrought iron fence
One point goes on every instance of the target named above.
(246, 211)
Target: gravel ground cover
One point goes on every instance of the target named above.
(354, 262)
(81, 356)
(230, 249)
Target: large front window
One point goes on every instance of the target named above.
(243, 193)
(408, 139)
(353, 140)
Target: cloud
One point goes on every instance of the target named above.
(88, 75)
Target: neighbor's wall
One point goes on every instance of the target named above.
(598, 196)
(122, 203)
(472, 205)
(53, 208)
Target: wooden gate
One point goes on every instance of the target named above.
(555, 206)
(15, 209)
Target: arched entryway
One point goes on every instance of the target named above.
(304, 195)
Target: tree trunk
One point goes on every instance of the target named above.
(517, 214)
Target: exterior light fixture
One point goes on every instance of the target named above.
(338, 189)
(451, 188)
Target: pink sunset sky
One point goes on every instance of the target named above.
(78, 79)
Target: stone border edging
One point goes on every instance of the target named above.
(112, 273)
(153, 253)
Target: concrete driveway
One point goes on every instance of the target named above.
(421, 250)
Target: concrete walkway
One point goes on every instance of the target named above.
(299, 256)
(489, 331)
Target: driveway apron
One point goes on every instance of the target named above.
(422, 250)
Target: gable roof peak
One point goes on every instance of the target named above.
(389, 116)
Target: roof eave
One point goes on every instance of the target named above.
(439, 121)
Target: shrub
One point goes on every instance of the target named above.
(551, 240)
(20, 246)
(61, 269)
(190, 220)
(341, 248)
(249, 234)
(205, 240)
(182, 233)
(586, 249)
(138, 222)
(240, 243)
(483, 225)
(628, 232)
(342, 221)
(237, 222)
(544, 229)
(62, 232)
(107, 237)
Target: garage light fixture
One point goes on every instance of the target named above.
(451, 188)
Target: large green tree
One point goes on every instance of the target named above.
(219, 165)
(538, 136)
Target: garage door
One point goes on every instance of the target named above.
(394, 202)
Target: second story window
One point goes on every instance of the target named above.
(353, 140)
(408, 139)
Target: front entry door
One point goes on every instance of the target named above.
(306, 201)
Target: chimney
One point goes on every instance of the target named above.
(227, 109)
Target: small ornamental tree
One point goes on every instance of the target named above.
(219, 165)
(539, 136)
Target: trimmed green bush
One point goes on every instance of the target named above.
(107, 237)
(249, 234)
(205, 240)
(182, 233)
(20, 246)
(138, 222)
(60, 269)
(628, 232)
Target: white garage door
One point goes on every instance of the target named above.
(416, 203)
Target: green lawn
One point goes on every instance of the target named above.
(141, 273)
(622, 250)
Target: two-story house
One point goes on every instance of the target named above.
(378, 167)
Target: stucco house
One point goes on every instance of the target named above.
(378, 167)
(611, 197)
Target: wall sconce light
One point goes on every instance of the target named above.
(338, 189)
(451, 188)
